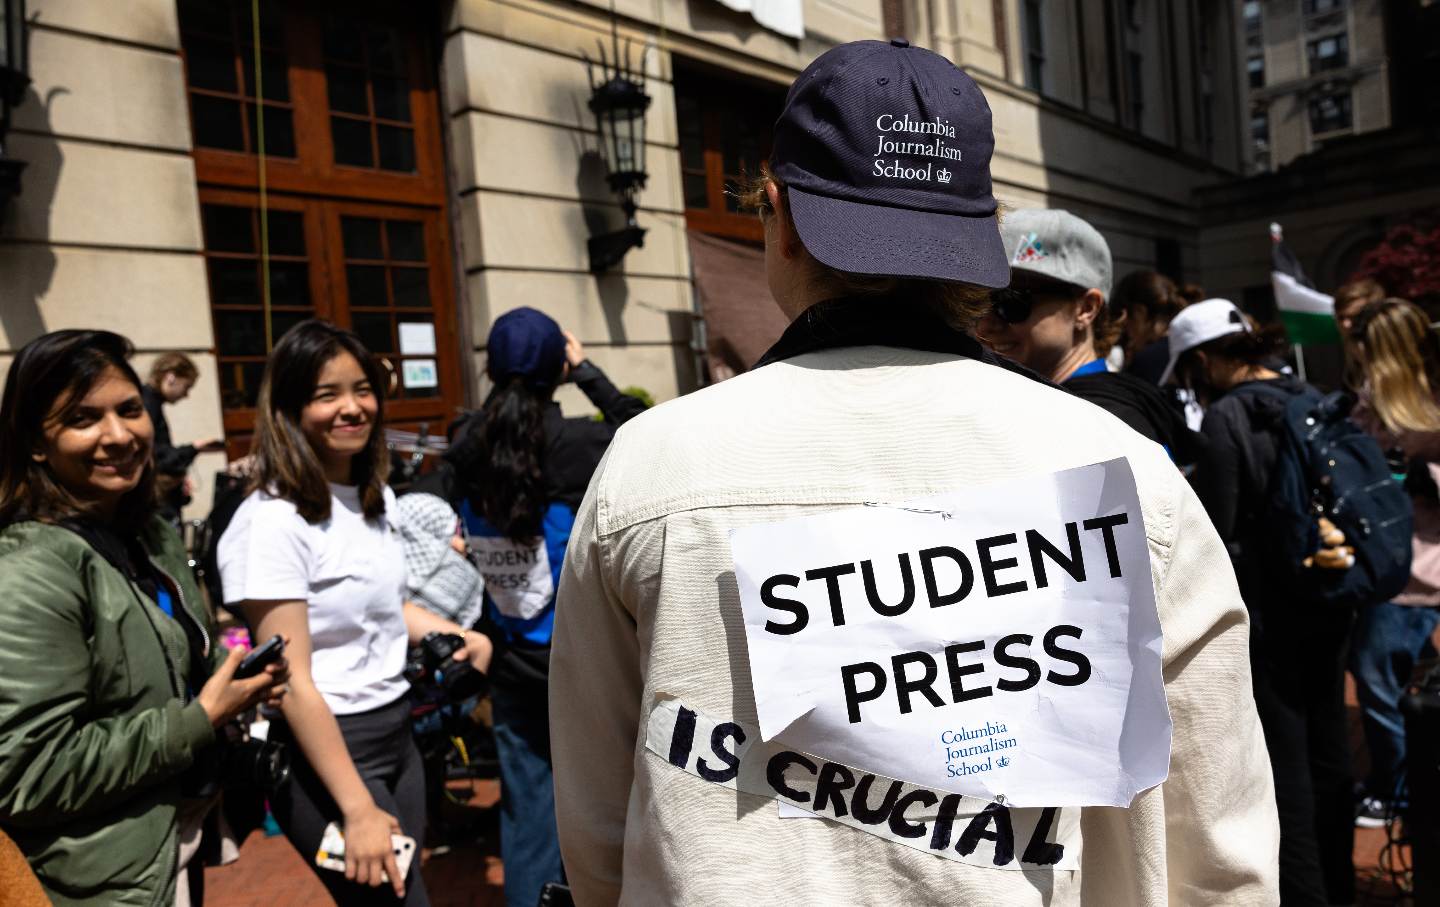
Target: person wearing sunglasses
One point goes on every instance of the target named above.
(1054, 320)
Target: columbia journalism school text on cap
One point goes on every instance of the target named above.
(885, 152)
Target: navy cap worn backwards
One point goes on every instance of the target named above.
(885, 152)
(528, 343)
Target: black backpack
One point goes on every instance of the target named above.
(1327, 466)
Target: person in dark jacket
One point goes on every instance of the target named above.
(171, 378)
(114, 681)
(516, 473)
(1297, 648)
(1143, 304)
(1054, 320)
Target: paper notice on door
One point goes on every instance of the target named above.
(417, 338)
(420, 373)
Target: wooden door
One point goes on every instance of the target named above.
(346, 111)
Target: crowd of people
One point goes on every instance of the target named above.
(934, 344)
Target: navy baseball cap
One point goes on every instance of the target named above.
(885, 152)
(528, 343)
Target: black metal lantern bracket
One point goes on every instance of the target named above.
(14, 79)
(619, 102)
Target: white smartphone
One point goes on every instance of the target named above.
(331, 854)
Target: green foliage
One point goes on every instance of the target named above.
(635, 391)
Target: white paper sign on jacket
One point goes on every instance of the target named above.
(999, 641)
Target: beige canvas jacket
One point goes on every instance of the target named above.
(648, 608)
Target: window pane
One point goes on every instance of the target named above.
(228, 228)
(240, 333)
(277, 78)
(289, 283)
(210, 63)
(407, 240)
(392, 98)
(692, 153)
(282, 322)
(287, 233)
(697, 193)
(367, 285)
(397, 148)
(234, 282)
(343, 43)
(347, 89)
(271, 31)
(279, 132)
(374, 331)
(412, 286)
(352, 142)
(217, 123)
(204, 15)
(385, 52)
(240, 383)
(361, 238)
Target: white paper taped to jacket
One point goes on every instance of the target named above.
(999, 641)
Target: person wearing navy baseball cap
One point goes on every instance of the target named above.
(882, 245)
(514, 474)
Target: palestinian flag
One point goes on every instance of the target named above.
(1308, 314)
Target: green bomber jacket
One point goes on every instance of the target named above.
(96, 722)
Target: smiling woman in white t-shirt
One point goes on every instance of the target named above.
(311, 554)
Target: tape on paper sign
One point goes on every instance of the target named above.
(949, 825)
(1000, 642)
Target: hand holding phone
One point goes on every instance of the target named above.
(331, 854)
(260, 658)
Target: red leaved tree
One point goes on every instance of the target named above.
(1407, 264)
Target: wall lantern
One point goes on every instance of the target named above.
(619, 103)
(13, 81)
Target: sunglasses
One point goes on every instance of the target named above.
(1012, 306)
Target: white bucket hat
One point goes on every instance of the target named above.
(1201, 323)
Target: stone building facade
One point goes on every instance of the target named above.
(1316, 70)
(429, 166)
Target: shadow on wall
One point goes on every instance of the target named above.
(602, 218)
(29, 263)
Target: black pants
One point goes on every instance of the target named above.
(1298, 660)
(383, 750)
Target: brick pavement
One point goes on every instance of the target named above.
(270, 874)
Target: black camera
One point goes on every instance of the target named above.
(432, 666)
(262, 764)
(237, 762)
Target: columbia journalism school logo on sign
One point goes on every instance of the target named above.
(914, 138)
(1030, 249)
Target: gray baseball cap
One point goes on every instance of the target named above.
(1057, 245)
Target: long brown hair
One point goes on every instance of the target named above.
(47, 382)
(286, 466)
(1396, 356)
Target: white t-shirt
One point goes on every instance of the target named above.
(351, 572)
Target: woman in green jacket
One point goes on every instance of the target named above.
(113, 682)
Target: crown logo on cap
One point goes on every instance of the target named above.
(942, 175)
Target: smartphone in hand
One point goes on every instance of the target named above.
(258, 659)
(331, 854)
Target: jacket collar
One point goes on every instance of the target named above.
(884, 321)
